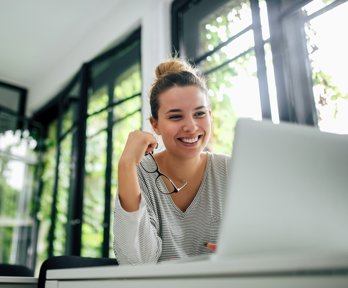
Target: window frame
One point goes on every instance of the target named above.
(295, 102)
(54, 110)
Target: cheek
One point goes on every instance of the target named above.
(168, 129)
(168, 136)
(207, 123)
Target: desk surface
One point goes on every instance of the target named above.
(246, 272)
(18, 282)
(243, 266)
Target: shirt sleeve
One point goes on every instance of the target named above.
(135, 237)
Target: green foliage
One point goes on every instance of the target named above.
(330, 94)
(8, 208)
(46, 198)
(64, 168)
(16, 178)
(217, 28)
(126, 119)
(98, 100)
(128, 83)
(222, 24)
(324, 80)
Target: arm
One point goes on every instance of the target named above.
(135, 235)
(138, 144)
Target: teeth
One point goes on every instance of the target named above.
(189, 140)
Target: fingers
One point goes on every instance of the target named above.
(139, 143)
(151, 147)
(210, 246)
(150, 142)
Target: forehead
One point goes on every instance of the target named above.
(182, 98)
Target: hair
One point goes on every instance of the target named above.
(170, 73)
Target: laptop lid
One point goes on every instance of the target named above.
(287, 192)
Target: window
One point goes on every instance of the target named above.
(88, 122)
(114, 109)
(45, 210)
(326, 46)
(265, 59)
(58, 179)
(65, 179)
(19, 165)
(228, 41)
(12, 106)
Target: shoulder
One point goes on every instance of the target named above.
(218, 164)
(222, 159)
(217, 173)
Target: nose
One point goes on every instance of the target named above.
(190, 125)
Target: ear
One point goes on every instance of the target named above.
(154, 124)
(210, 114)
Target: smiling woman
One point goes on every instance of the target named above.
(153, 221)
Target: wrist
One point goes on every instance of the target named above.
(126, 162)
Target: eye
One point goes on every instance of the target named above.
(175, 117)
(200, 114)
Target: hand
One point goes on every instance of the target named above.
(210, 246)
(138, 144)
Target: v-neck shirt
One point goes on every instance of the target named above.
(160, 230)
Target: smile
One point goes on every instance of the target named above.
(190, 140)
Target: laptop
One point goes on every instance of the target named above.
(287, 197)
(287, 193)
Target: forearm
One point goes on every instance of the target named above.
(138, 144)
(128, 186)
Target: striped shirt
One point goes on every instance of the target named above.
(159, 230)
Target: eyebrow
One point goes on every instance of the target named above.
(179, 110)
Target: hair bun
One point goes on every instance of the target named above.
(173, 66)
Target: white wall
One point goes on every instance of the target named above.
(153, 16)
(155, 45)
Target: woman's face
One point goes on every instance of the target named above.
(184, 120)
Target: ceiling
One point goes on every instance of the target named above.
(35, 36)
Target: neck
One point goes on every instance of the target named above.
(180, 168)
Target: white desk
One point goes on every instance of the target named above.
(248, 273)
(18, 282)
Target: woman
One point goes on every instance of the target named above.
(170, 203)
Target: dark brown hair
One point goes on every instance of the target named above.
(170, 73)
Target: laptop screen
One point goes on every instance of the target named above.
(288, 191)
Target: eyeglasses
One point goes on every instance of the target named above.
(153, 168)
